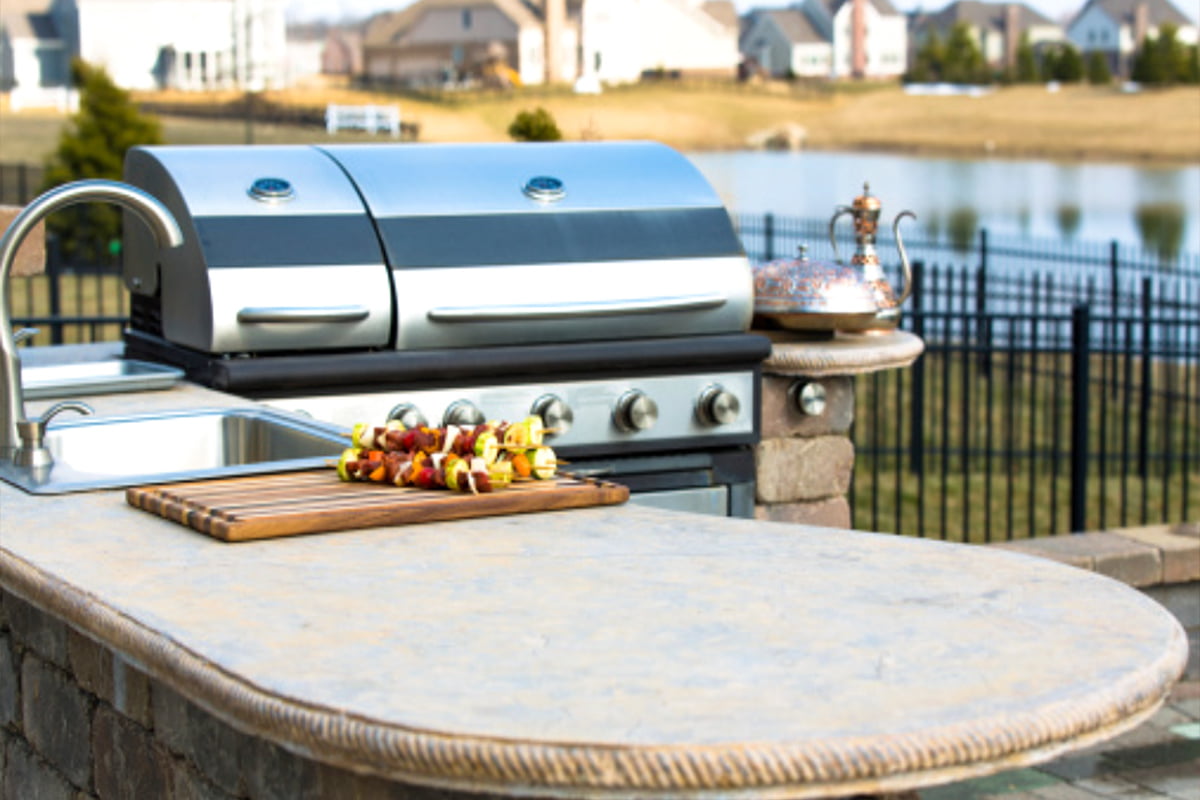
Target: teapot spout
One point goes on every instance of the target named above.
(903, 256)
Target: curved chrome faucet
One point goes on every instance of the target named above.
(145, 206)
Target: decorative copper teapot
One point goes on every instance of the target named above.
(800, 294)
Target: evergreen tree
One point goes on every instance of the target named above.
(93, 145)
(1069, 66)
(963, 62)
(1098, 73)
(1027, 68)
(927, 64)
(1193, 64)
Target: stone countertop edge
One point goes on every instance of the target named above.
(841, 766)
(843, 354)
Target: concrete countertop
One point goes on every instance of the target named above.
(610, 652)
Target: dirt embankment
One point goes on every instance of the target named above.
(1077, 123)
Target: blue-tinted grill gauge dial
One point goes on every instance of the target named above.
(544, 189)
(272, 190)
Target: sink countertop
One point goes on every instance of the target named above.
(606, 652)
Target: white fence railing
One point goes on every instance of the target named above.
(373, 119)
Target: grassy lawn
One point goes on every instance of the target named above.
(1022, 416)
(1161, 126)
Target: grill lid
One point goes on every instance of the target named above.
(438, 246)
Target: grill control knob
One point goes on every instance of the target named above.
(463, 412)
(718, 406)
(635, 411)
(408, 415)
(555, 413)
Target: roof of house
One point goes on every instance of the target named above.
(984, 15)
(723, 11)
(1123, 11)
(28, 19)
(386, 27)
(795, 25)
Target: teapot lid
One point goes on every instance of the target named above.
(801, 285)
(866, 201)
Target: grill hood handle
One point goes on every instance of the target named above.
(303, 314)
(578, 310)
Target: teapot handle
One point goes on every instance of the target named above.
(903, 255)
(837, 257)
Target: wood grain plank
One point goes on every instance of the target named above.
(289, 504)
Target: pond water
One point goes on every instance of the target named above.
(1157, 208)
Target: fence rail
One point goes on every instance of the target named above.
(767, 237)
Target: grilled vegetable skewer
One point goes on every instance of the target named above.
(472, 459)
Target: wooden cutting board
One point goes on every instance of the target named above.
(268, 506)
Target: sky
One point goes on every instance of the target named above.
(333, 10)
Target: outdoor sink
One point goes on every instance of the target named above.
(113, 452)
(113, 375)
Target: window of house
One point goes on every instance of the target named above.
(466, 19)
(597, 61)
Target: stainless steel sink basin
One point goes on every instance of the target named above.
(95, 377)
(105, 453)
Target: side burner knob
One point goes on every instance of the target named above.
(718, 406)
(408, 415)
(463, 412)
(635, 411)
(556, 414)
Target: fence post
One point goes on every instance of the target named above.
(1147, 381)
(1080, 363)
(1113, 273)
(916, 425)
(769, 237)
(54, 272)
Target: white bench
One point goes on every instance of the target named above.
(373, 119)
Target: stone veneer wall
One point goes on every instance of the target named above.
(804, 463)
(78, 721)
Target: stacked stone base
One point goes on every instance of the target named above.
(804, 463)
(77, 721)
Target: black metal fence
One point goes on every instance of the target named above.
(1030, 422)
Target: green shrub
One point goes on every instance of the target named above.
(534, 126)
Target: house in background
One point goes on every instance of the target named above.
(997, 28)
(784, 43)
(829, 38)
(551, 41)
(626, 39)
(1117, 28)
(432, 42)
(146, 44)
(34, 61)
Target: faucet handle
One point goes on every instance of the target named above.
(25, 333)
(32, 452)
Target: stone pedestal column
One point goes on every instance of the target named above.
(806, 457)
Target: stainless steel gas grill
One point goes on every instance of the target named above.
(600, 285)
